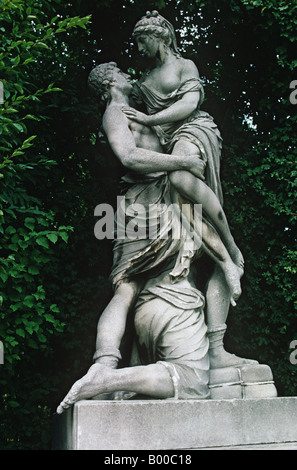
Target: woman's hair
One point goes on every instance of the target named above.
(153, 23)
(100, 79)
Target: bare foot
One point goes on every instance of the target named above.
(91, 384)
(220, 358)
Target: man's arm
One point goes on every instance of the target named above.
(122, 142)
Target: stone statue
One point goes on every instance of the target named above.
(172, 93)
(155, 275)
(138, 149)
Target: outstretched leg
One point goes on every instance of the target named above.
(153, 380)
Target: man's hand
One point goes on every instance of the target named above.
(197, 166)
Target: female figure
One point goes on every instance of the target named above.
(172, 348)
(138, 258)
(172, 93)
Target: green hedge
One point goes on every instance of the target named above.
(54, 170)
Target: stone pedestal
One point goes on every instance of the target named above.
(249, 381)
(175, 424)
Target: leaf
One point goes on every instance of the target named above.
(16, 61)
(29, 60)
(4, 278)
(19, 88)
(42, 241)
(42, 45)
(23, 244)
(54, 308)
(33, 270)
(52, 237)
(42, 338)
(49, 317)
(10, 230)
(29, 301)
(13, 404)
(16, 153)
(29, 140)
(64, 236)
(34, 118)
(10, 111)
(20, 332)
(29, 223)
(18, 127)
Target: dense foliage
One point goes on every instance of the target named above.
(55, 169)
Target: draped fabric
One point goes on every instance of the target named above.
(150, 240)
(170, 330)
(148, 230)
(199, 128)
(169, 320)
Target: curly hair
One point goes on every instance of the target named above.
(155, 24)
(100, 79)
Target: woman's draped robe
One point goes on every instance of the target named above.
(169, 317)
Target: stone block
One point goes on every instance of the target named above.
(247, 381)
(177, 424)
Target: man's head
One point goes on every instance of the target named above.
(104, 76)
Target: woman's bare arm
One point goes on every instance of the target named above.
(179, 110)
(142, 160)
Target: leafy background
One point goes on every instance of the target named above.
(54, 170)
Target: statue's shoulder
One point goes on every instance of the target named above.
(112, 110)
(187, 63)
(188, 68)
(112, 115)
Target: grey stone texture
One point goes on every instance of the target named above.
(253, 423)
(244, 410)
(248, 381)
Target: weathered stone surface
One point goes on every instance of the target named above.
(177, 424)
(249, 381)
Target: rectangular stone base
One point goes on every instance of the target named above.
(176, 424)
(245, 381)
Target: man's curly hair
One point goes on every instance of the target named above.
(100, 79)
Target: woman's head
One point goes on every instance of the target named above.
(153, 24)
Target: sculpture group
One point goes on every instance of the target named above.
(171, 150)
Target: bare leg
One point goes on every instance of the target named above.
(112, 324)
(213, 246)
(232, 274)
(153, 380)
(217, 302)
(198, 192)
(219, 292)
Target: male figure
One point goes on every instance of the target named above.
(138, 148)
(151, 379)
